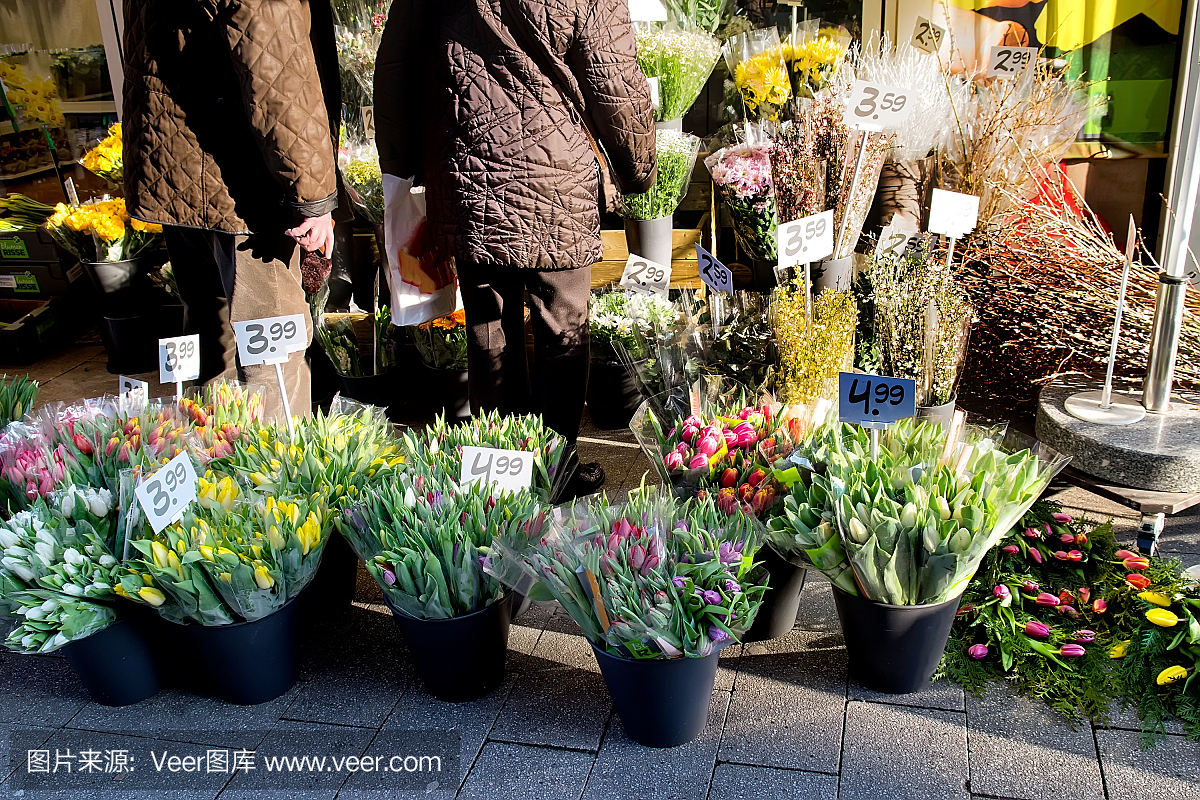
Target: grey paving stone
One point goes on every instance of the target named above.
(30, 737)
(1128, 720)
(625, 768)
(301, 739)
(817, 612)
(743, 782)
(1169, 771)
(516, 772)
(36, 690)
(559, 708)
(788, 704)
(1021, 748)
(944, 694)
(727, 666)
(1181, 534)
(555, 650)
(917, 753)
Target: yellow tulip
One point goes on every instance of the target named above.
(1162, 617)
(207, 552)
(1119, 649)
(159, 553)
(225, 576)
(119, 590)
(1171, 674)
(1157, 598)
(152, 596)
(263, 578)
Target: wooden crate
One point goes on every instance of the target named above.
(685, 273)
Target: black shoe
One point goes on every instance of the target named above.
(588, 479)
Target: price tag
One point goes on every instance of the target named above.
(138, 391)
(647, 11)
(655, 97)
(646, 276)
(875, 399)
(805, 240)
(926, 36)
(873, 106)
(715, 275)
(166, 494)
(179, 359)
(270, 340)
(895, 236)
(1010, 62)
(953, 214)
(504, 469)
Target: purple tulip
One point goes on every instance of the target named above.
(699, 460)
(1067, 611)
(1001, 591)
(678, 582)
(1036, 555)
(1030, 586)
(683, 449)
(637, 556)
(1071, 651)
(728, 553)
(731, 586)
(1011, 549)
(389, 577)
(1063, 518)
(977, 651)
(1067, 538)
(1046, 599)
(1032, 533)
(717, 634)
(1037, 630)
(1084, 636)
(711, 597)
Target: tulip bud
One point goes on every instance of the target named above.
(1171, 675)
(1085, 595)
(1067, 538)
(1138, 581)
(690, 432)
(1071, 651)
(731, 438)
(1066, 597)
(977, 651)
(1157, 598)
(1081, 539)
(1032, 533)
(1037, 630)
(756, 477)
(1084, 636)
(1162, 617)
(1067, 611)
(1029, 586)
(729, 478)
(1046, 599)
(1003, 593)
(673, 460)
(1099, 605)
(699, 460)
(858, 531)
(1139, 563)
(1061, 555)
(1035, 555)
(1062, 519)
(1011, 549)
(1119, 649)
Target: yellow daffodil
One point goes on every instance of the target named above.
(1171, 674)
(1157, 598)
(1162, 617)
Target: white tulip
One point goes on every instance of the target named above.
(73, 556)
(67, 505)
(73, 590)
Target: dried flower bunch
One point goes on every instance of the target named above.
(812, 354)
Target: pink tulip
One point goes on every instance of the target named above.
(731, 438)
(1099, 605)
(1011, 549)
(1071, 651)
(1084, 636)
(1067, 538)
(699, 460)
(1085, 595)
(1046, 599)
(690, 433)
(1029, 586)
(1001, 591)
(673, 460)
(1035, 555)
(977, 651)
(1032, 533)
(1063, 518)
(1037, 630)
(637, 556)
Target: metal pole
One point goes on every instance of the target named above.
(1130, 247)
(1182, 189)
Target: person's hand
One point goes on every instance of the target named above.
(315, 233)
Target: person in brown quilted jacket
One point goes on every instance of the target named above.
(231, 111)
(484, 102)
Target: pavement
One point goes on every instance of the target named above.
(785, 720)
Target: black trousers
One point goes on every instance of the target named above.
(500, 375)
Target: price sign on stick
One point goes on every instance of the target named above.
(270, 340)
(895, 236)
(715, 275)
(805, 240)
(1010, 62)
(874, 106)
(139, 391)
(179, 359)
(875, 399)
(953, 214)
(926, 36)
(504, 469)
(166, 494)
(646, 276)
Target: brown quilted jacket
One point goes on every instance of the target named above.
(509, 173)
(230, 117)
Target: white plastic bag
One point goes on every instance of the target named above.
(422, 280)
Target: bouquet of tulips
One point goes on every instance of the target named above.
(16, 398)
(30, 466)
(425, 540)
(653, 578)
(220, 416)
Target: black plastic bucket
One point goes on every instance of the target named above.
(612, 395)
(447, 392)
(332, 588)
(117, 664)
(459, 659)
(781, 602)
(661, 702)
(893, 649)
(250, 662)
(130, 350)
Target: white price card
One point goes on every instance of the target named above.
(646, 276)
(166, 494)
(505, 469)
(1011, 62)
(179, 359)
(270, 340)
(647, 11)
(873, 106)
(715, 275)
(655, 97)
(138, 391)
(926, 36)
(805, 240)
(895, 236)
(953, 214)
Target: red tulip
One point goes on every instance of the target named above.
(729, 478)
(1081, 539)
(1066, 597)
(1139, 563)
(756, 477)
(1099, 605)
(1138, 582)
(1075, 555)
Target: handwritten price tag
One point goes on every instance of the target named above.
(270, 340)
(138, 392)
(895, 236)
(647, 11)
(179, 359)
(646, 276)
(715, 275)
(926, 36)
(166, 494)
(875, 399)
(805, 240)
(1010, 62)
(504, 469)
(874, 106)
(953, 214)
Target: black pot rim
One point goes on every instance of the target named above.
(238, 624)
(507, 593)
(654, 660)
(789, 559)
(953, 599)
